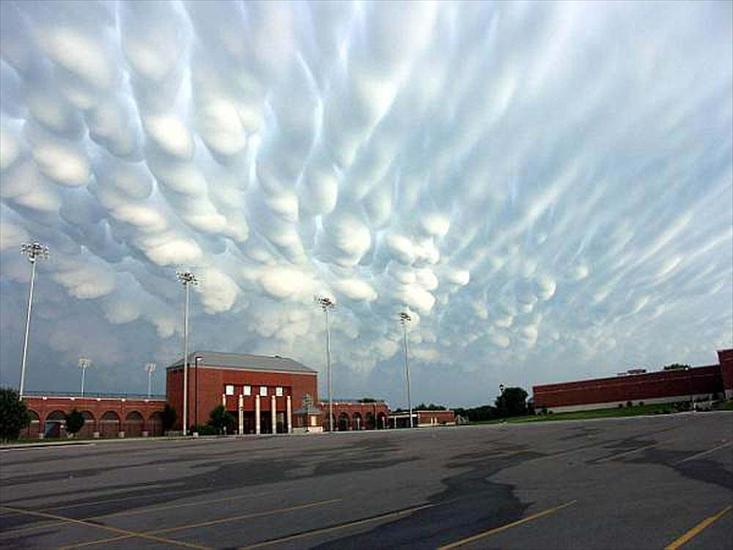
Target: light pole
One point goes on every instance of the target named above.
(307, 403)
(84, 364)
(150, 369)
(34, 250)
(326, 304)
(196, 360)
(404, 319)
(501, 398)
(187, 279)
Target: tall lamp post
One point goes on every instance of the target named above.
(196, 360)
(34, 250)
(187, 280)
(404, 319)
(150, 369)
(327, 304)
(84, 364)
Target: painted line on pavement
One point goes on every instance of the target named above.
(250, 515)
(490, 532)
(627, 453)
(127, 533)
(40, 526)
(699, 528)
(339, 527)
(704, 453)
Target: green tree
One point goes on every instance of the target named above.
(13, 414)
(512, 402)
(74, 421)
(220, 418)
(168, 417)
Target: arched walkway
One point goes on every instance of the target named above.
(343, 424)
(109, 424)
(381, 421)
(134, 424)
(34, 427)
(369, 423)
(90, 425)
(55, 425)
(155, 424)
(357, 422)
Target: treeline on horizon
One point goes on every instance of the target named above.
(511, 402)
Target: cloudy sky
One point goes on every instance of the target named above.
(546, 188)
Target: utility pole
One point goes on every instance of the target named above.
(327, 304)
(34, 250)
(404, 319)
(187, 280)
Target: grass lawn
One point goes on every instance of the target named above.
(636, 410)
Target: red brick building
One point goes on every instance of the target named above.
(691, 384)
(422, 418)
(354, 414)
(104, 415)
(261, 392)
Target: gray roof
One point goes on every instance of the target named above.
(244, 361)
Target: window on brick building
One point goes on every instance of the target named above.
(229, 389)
(279, 391)
(247, 390)
(263, 391)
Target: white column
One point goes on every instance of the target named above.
(224, 400)
(290, 414)
(257, 414)
(273, 414)
(241, 415)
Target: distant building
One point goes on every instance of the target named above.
(356, 414)
(666, 386)
(422, 418)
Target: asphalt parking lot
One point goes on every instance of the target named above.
(644, 482)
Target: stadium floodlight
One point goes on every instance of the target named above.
(150, 369)
(404, 319)
(84, 363)
(187, 279)
(327, 304)
(35, 251)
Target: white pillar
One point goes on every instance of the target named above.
(273, 414)
(224, 400)
(241, 415)
(290, 414)
(257, 414)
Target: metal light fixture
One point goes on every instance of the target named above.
(187, 279)
(327, 304)
(404, 319)
(34, 250)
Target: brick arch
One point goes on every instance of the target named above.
(55, 424)
(90, 424)
(109, 424)
(381, 420)
(134, 424)
(34, 426)
(369, 421)
(343, 422)
(154, 424)
(357, 421)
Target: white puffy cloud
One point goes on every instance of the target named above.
(532, 197)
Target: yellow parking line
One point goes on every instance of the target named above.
(250, 515)
(128, 534)
(490, 532)
(338, 527)
(43, 525)
(692, 533)
(705, 453)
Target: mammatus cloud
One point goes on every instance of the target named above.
(546, 188)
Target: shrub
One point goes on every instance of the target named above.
(221, 419)
(74, 421)
(13, 414)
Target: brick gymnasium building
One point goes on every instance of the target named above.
(265, 395)
(104, 415)
(691, 384)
